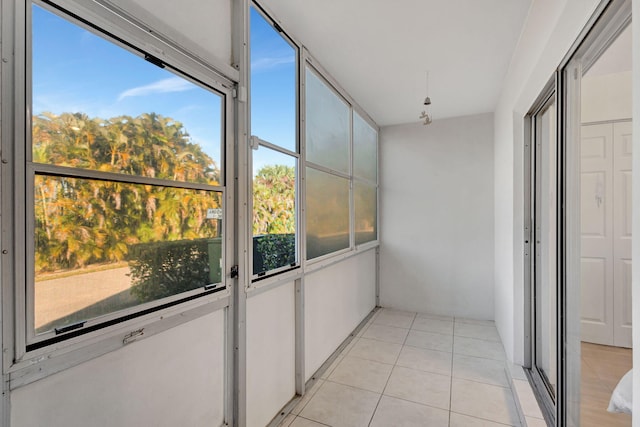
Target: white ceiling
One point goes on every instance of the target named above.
(380, 50)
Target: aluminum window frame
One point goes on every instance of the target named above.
(24, 365)
(310, 65)
(256, 142)
(309, 62)
(545, 100)
(375, 184)
(609, 19)
(255, 278)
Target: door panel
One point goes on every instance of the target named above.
(596, 209)
(622, 148)
(594, 274)
(594, 218)
(606, 217)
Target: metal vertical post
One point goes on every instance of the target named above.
(240, 52)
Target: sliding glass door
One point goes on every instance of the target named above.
(544, 254)
(578, 228)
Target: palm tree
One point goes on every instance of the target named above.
(83, 221)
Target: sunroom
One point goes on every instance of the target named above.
(252, 213)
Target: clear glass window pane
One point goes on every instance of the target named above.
(274, 210)
(366, 212)
(273, 85)
(327, 213)
(365, 149)
(97, 106)
(103, 246)
(546, 256)
(327, 125)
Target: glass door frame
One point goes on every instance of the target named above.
(532, 175)
(605, 25)
(610, 18)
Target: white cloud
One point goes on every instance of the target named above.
(270, 62)
(172, 84)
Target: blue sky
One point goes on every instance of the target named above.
(273, 85)
(75, 70)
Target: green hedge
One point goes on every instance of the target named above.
(272, 251)
(162, 269)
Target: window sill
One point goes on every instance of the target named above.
(66, 354)
(328, 260)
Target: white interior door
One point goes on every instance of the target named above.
(622, 219)
(606, 218)
(596, 209)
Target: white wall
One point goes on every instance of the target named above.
(170, 379)
(336, 300)
(606, 97)
(437, 217)
(551, 28)
(270, 353)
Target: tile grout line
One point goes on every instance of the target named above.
(370, 360)
(347, 349)
(395, 365)
(484, 419)
(453, 347)
(309, 419)
(311, 396)
(373, 414)
(393, 397)
(470, 380)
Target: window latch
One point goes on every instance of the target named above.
(234, 272)
(70, 327)
(132, 336)
(155, 61)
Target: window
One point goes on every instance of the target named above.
(274, 210)
(124, 182)
(328, 131)
(275, 155)
(544, 269)
(327, 213)
(341, 189)
(328, 126)
(365, 201)
(365, 175)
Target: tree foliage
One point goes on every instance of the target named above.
(274, 220)
(82, 221)
(274, 197)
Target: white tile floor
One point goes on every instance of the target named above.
(408, 369)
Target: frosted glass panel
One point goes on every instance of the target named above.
(365, 149)
(364, 199)
(327, 213)
(273, 85)
(274, 210)
(327, 125)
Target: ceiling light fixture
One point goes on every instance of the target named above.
(426, 116)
